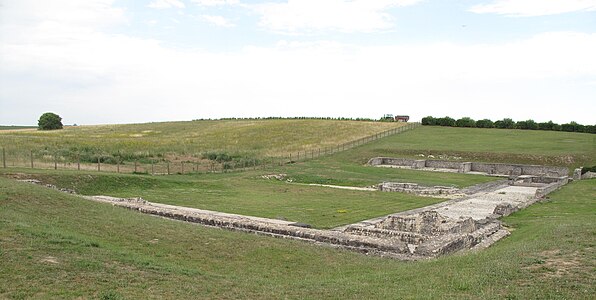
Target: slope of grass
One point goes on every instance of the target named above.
(477, 144)
(241, 193)
(13, 127)
(54, 245)
(257, 138)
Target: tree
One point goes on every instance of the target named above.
(49, 121)
(572, 127)
(429, 121)
(446, 121)
(465, 122)
(485, 123)
(505, 124)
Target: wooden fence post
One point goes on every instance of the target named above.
(182, 163)
(98, 164)
(152, 168)
(136, 164)
(3, 157)
(31, 152)
(168, 166)
(55, 162)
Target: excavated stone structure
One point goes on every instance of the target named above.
(468, 222)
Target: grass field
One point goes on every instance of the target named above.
(10, 127)
(490, 145)
(190, 140)
(54, 245)
(244, 193)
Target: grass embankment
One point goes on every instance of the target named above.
(241, 193)
(10, 127)
(477, 144)
(462, 144)
(54, 245)
(190, 140)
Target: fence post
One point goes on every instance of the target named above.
(136, 163)
(182, 163)
(297, 159)
(98, 164)
(168, 165)
(78, 162)
(3, 157)
(55, 162)
(290, 157)
(152, 168)
(31, 151)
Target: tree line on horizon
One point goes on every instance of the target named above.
(508, 123)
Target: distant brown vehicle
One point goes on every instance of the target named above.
(390, 117)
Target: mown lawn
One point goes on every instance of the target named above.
(58, 246)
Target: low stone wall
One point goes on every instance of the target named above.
(465, 167)
(413, 188)
(518, 169)
(543, 191)
(443, 164)
(377, 161)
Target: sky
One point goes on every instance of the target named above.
(129, 61)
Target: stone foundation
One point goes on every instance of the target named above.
(467, 167)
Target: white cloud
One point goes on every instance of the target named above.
(530, 8)
(217, 21)
(163, 4)
(216, 2)
(69, 65)
(337, 15)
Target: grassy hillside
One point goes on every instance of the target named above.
(476, 144)
(242, 193)
(54, 245)
(12, 127)
(254, 138)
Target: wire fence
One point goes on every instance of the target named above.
(19, 158)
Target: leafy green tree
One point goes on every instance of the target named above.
(485, 123)
(429, 121)
(505, 124)
(49, 121)
(547, 125)
(572, 127)
(446, 121)
(465, 122)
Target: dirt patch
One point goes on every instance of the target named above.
(49, 260)
(554, 264)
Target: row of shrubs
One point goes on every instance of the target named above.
(508, 124)
(291, 118)
(93, 155)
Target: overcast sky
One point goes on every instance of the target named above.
(109, 61)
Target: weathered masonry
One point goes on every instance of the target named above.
(471, 167)
(469, 221)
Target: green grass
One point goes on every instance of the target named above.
(477, 144)
(12, 127)
(54, 245)
(253, 138)
(241, 193)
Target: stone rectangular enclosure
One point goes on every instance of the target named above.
(466, 167)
